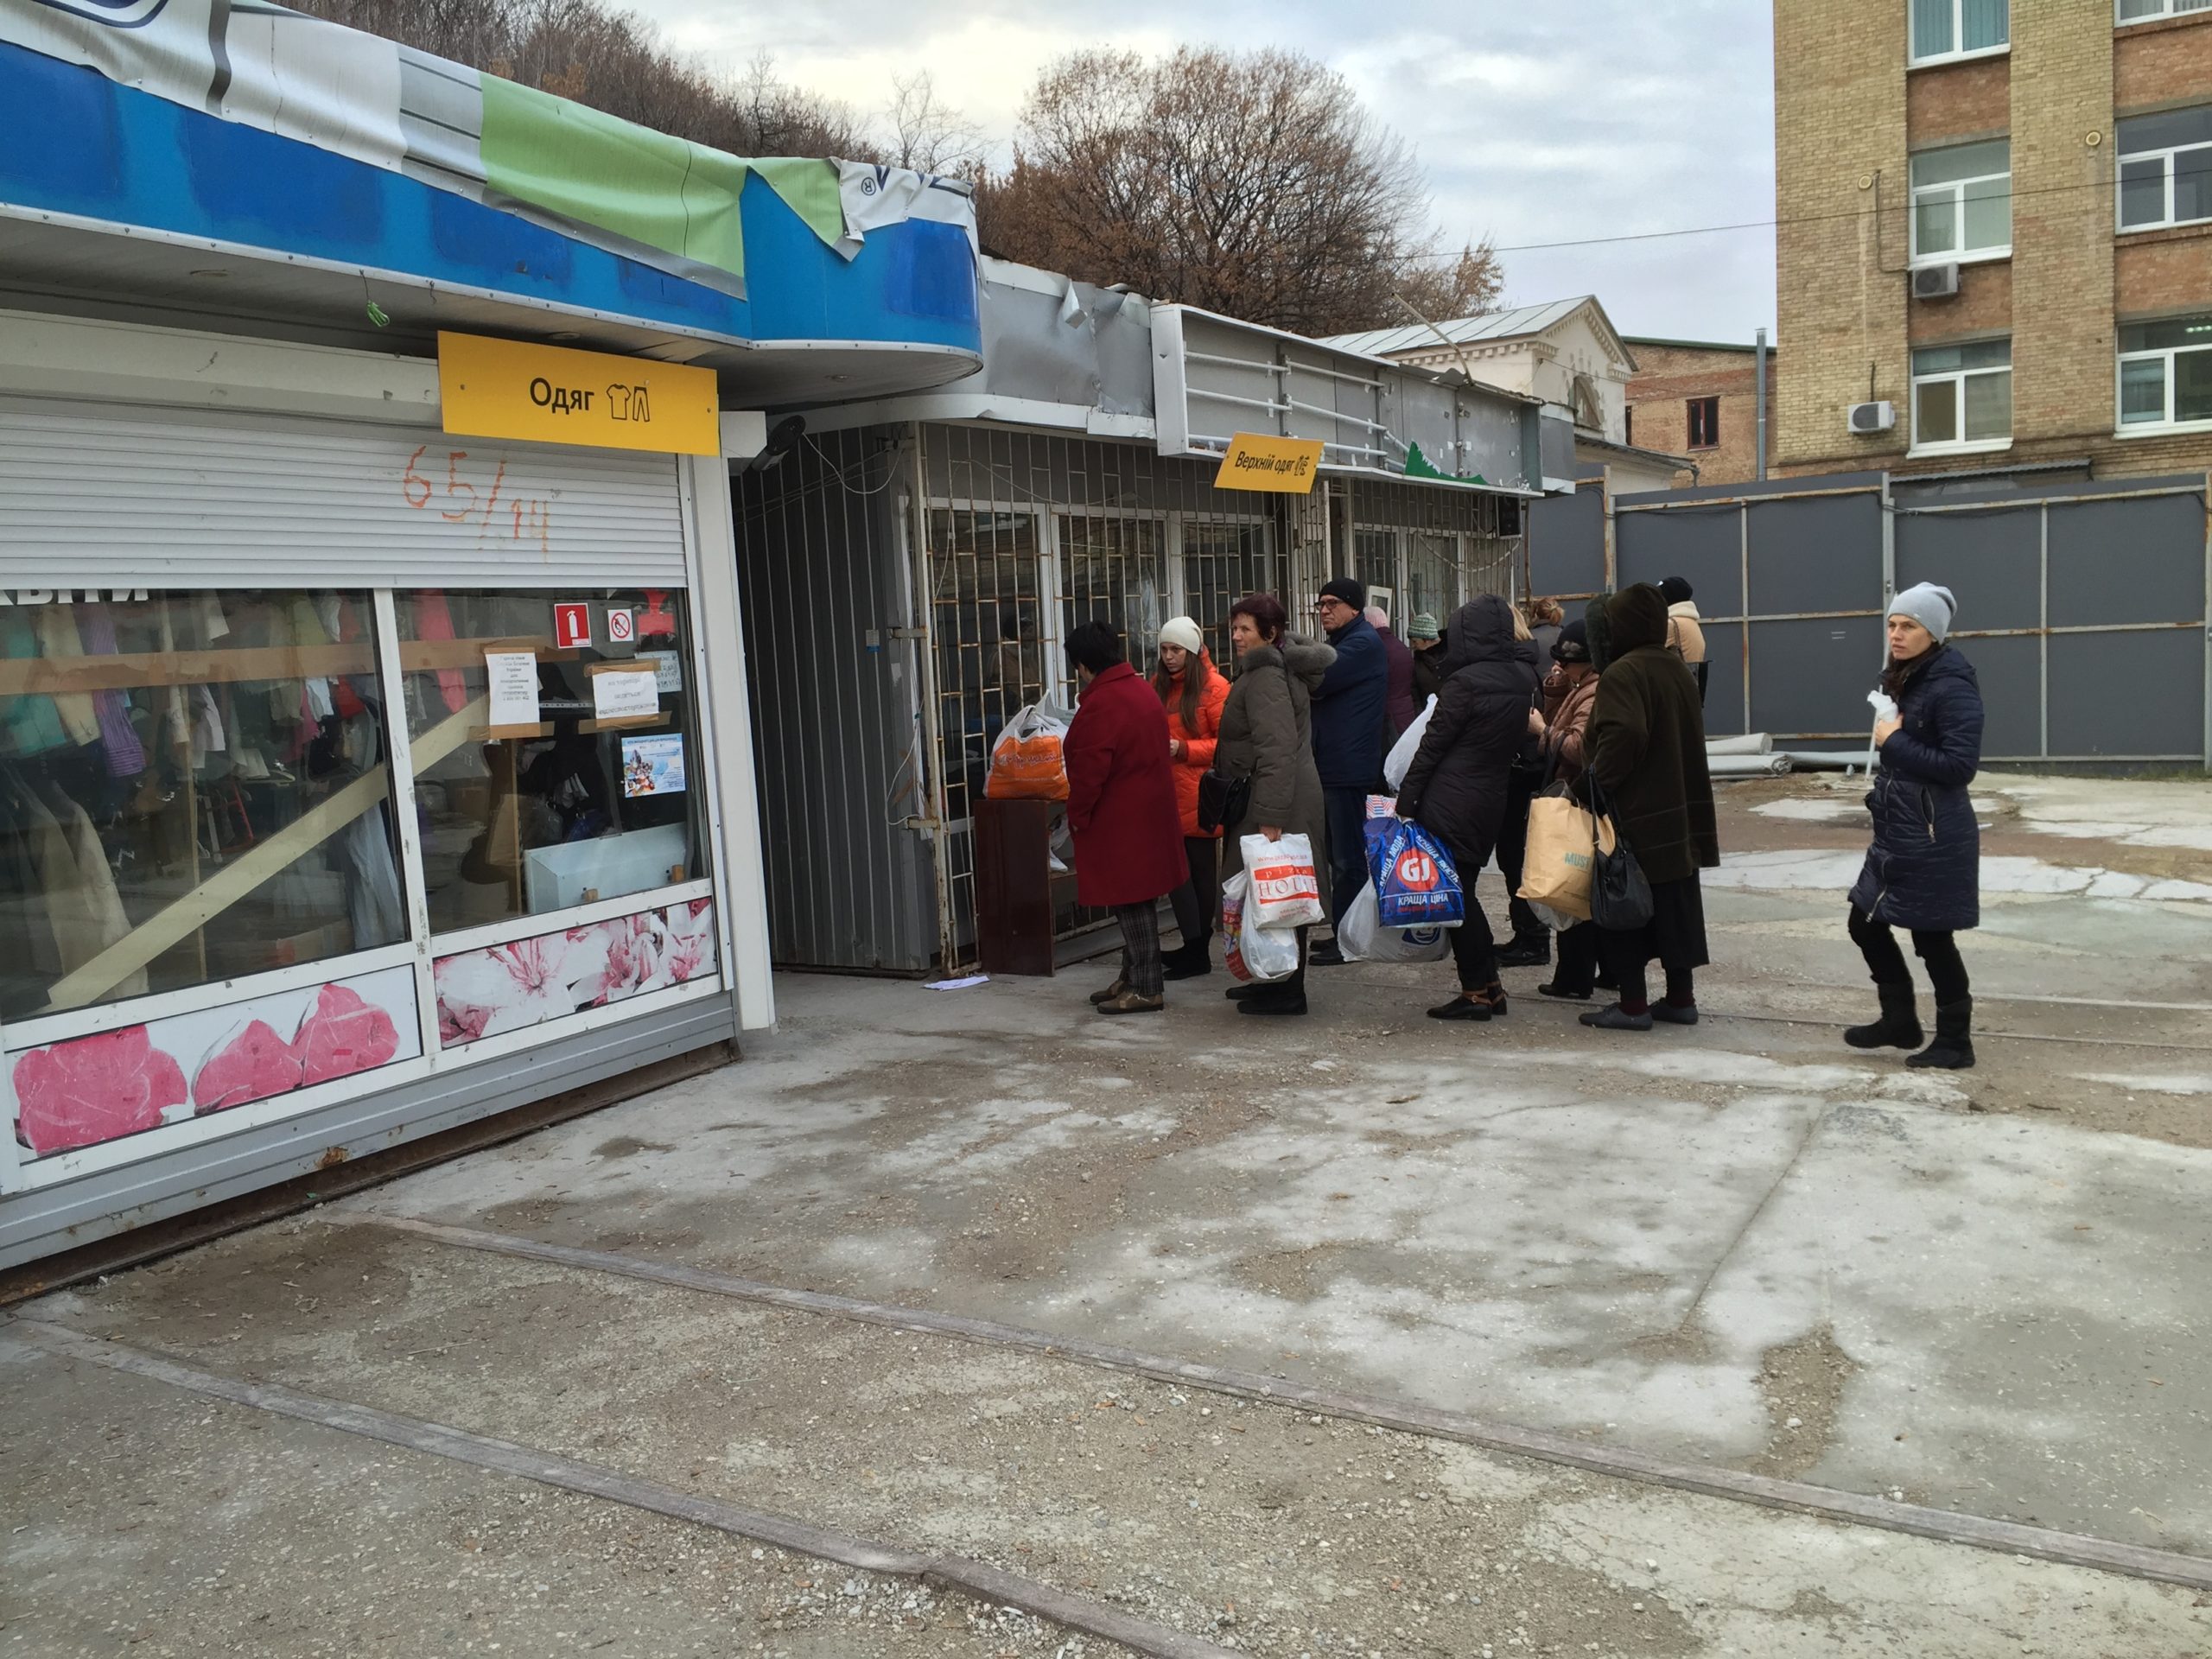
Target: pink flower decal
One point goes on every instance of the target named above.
(685, 957)
(253, 1065)
(94, 1088)
(341, 1036)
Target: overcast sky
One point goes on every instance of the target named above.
(1535, 122)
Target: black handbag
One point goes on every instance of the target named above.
(1620, 898)
(1222, 799)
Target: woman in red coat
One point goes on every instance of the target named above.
(1128, 842)
(1193, 691)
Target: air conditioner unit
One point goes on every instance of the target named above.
(1934, 282)
(1872, 418)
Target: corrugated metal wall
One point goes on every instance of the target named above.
(823, 571)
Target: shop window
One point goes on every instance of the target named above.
(1705, 422)
(2166, 374)
(1962, 395)
(1962, 202)
(2165, 169)
(556, 748)
(1944, 29)
(194, 787)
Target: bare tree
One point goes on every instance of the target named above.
(927, 135)
(613, 61)
(1254, 185)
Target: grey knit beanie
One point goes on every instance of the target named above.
(1930, 605)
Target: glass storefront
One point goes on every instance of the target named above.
(523, 816)
(194, 787)
(200, 822)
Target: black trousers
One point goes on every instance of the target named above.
(1346, 818)
(1513, 854)
(1197, 902)
(1578, 948)
(1474, 950)
(1946, 969)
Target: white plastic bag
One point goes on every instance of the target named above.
(1400, 760)
(1286, 889)
(1255, 955)
(1361, 936)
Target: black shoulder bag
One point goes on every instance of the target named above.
(1223, 800)
(1620, 898)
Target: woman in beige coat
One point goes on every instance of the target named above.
(1266, 735)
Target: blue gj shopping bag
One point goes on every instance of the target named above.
(1415, 884)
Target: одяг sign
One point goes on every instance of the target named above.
(551, 394)
(1256, 461)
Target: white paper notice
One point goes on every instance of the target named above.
(513, 674)
(625, 694)
(667, 674)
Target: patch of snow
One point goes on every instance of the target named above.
(2155, 1082)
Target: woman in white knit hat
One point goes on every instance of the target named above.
(1192, 690)
(1923, 872)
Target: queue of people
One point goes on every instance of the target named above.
(1607, 707)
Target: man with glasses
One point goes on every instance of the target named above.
(1351, 735)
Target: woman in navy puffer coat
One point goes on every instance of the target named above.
(1923, 872)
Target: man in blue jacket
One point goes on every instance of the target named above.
(1350, 734)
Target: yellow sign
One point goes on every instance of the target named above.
(1255, 461)
(506, 389)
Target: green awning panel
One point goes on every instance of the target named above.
(1419, 466)
(662, 191)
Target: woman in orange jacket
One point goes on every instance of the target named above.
(1192, 690)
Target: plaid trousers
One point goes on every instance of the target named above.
(1140, 964)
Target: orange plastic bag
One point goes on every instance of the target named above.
(1028, 762)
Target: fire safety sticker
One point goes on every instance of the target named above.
(571, 625)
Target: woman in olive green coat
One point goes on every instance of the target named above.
(1266, 735)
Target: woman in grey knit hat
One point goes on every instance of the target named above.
(1923, 872)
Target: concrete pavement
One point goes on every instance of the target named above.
(1741, 1244)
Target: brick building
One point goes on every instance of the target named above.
(1998, 220)
(1699, 398)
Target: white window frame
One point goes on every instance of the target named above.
(1957, 378)
(2167, 9)
(1956, 190)
(2153, 429)
(2168, 156)
(1958, 34)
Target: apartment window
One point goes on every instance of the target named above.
(1705, 422)
(1958, 29)
(2165, 373)
(2141, 11)
(1962, 202)
(2166, 167)
(1962, 395)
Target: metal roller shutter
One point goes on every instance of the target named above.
(102, 495)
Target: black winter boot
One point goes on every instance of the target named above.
(1953, 1049)
(1191, 961)
(1898, 1027)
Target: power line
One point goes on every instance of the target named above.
(2104, 185)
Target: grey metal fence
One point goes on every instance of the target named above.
(2083, 606)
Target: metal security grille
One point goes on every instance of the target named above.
(1222, 563)
(1114, 569)
(988, 638)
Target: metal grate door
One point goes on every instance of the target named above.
(987, 628)
(1223, 562)
(1116, 569)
